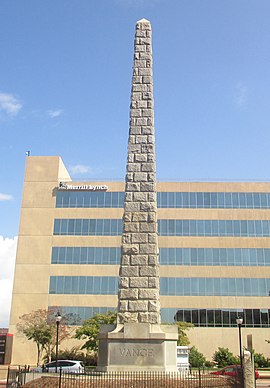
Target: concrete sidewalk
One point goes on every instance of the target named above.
(262, 383)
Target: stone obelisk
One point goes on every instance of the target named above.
(139, 342)
(139, 271)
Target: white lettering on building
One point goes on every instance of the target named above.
(65, 186)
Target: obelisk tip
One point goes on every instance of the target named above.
(143, 22)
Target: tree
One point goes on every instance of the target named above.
(196, 359)
(182, 335)
(224, 357)
(39, 326)
(90, 329)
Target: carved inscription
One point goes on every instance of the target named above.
(136, 352)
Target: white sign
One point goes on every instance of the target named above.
(65, 186)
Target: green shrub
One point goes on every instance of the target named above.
(260, 361)
(224, 357)
(196, 359)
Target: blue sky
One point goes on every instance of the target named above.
(65, 85)
(65, 81)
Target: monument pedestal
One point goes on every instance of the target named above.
(137, 347)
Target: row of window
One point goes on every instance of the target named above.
(215, 286)
(88, 227)
(220, 317)
(108, 285)
(75, 315)
(213, 200)
(65, 199)
(215, 256)
(98, 285)
(113, 227)
(236, 228)
(78, 199)
(167, 256)
(85, 255)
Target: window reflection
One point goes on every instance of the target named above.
(87, 227)
(167, 256)
(83, 285)
(214, 286)
(75, 315)
(113, 227)
(86, 255)
(218, 317)
(168, 286)
(238, 228)
(78, 199)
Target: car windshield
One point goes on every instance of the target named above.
(66, 363)
(50, 364)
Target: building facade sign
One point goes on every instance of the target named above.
(65, 186)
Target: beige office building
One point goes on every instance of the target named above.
(214, 242)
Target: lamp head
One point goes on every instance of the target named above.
(58, 317)
(239, 321)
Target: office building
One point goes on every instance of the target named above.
(214, 253)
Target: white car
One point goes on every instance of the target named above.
(65, 365)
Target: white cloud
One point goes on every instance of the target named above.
(55, 113)
(9, 104)
(241, 95)
(80, 169)
(5, 197)
(7, 263)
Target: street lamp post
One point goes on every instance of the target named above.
(239, 322)
(57, 320)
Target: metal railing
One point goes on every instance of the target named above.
(16, 376)
(146, 380)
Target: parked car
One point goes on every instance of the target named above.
(232, 370)
(71, 366)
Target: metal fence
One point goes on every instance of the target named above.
(19, 376)
(16, 376)
(146, 380)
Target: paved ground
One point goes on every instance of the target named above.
(262, 383)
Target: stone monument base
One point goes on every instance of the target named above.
(137, 347)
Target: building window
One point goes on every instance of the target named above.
(89, 199)
(215, 256)
(88, 227)
(75, 315)
(220, 317)
(86, 255)
(256, 318)
(214, 228)
(214, 286)
(167, 256)
(192, 200)
(108, 285)
(98, 285)
(213, 200)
